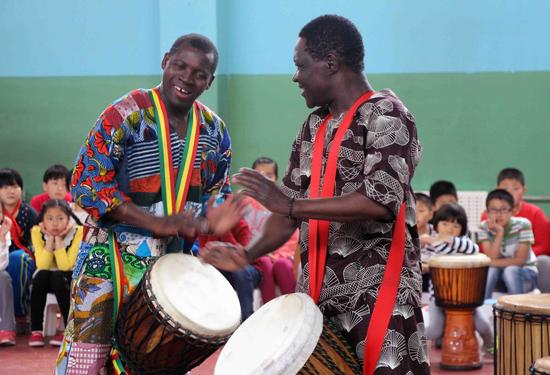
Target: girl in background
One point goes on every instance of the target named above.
(56, 241)
(277, 267)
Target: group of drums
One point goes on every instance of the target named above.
(521, 322)
(184, 310)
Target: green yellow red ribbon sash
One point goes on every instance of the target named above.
(174, 193)
(119, 284)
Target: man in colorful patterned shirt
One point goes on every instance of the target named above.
(373, 170)
(125, 178)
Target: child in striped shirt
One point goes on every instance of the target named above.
(508, 241)
(451, 225)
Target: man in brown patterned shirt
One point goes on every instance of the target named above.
(376, 163)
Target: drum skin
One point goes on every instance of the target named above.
(522, 334)
(151, 341)
(541, 366)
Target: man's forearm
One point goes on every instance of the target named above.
(131, 214)
(346, 208)
(276, 231)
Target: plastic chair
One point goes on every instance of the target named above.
(50, 316)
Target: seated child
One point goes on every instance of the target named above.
(513, 181)
(56, 241)
(277, 267)
(442, 192)
(55, 186)
(7, 317)
(507, 240)
(451, 225)
(21, 264)
(424, 214)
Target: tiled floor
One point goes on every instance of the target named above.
(22, 359)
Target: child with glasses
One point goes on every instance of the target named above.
(508, 241)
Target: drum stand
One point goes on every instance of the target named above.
(460, 349)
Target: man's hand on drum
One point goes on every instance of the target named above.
(225, 256)
(263, 190)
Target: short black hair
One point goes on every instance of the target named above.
(336, 34)
(511, 174)
(55, 172)
(500, 194)
(60, 203)
(199, 42)
(452, 212)
(266, 160)
(424, 199)
(440, 188)
(10, 177)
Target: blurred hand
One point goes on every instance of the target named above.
(263, 190)
(5, 228)
(223, 218)
(426, 239)
(225, 256)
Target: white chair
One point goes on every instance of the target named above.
(50, 316)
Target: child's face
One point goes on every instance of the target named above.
(55, 188)
(449, 228)
(55, 221)
(423, 214)
(268, 170)
(10, 194)
(443, 200)
(499, 211)
(515, 188)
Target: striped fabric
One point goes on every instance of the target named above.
(518, 231)
(460, 245)
(120, 160)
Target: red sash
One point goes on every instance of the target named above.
(16, 232)
(318, 239)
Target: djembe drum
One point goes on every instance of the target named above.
(459, 287)
(541, 367)
(287, 336)
(181, 312)
(522, 332)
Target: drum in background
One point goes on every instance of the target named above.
(541, 367)
(181, 312)
(459, 287)
(522, 332)
(287, 336)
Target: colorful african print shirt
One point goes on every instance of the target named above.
(119, 161)
(378, 156)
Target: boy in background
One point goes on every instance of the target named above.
(442, 192)
(513, 181)
(507, 240)
(55, 185)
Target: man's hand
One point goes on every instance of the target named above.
(265, 191)
(225, 256)
(182, 224)
(223, 218)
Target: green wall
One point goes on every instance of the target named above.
(470, 125)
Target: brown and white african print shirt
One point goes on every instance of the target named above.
(378, 156)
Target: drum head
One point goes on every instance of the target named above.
(526, 303)
(277, 339)
(542, 365)
(459, 261)
(195, 295)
